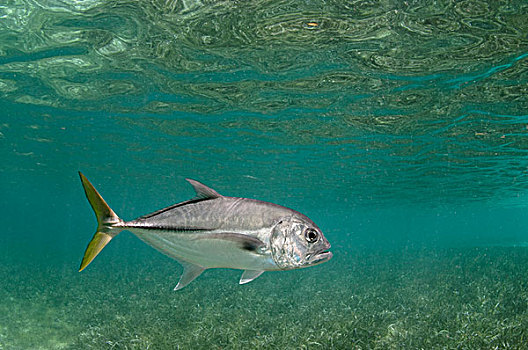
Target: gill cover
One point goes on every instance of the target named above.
(285, 248)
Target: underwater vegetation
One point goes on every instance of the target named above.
(441, 299)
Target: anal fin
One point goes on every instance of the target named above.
(190, 272)
(249, 275)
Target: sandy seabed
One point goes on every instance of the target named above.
(432, 299)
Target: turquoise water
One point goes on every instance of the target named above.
(399, 127)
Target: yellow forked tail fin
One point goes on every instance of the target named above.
(108, 223)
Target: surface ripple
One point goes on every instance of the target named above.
(410, 99)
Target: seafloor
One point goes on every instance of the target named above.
(413, 299)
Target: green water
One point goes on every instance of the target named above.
(399, 127)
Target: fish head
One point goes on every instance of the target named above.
(297, 242)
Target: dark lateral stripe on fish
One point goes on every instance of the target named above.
(169, 228)
(191, 201)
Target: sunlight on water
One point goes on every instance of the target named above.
(428, 92)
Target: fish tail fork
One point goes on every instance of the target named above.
(108, 223)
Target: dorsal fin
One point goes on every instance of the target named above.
(202, 191)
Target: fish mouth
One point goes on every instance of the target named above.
(321, 257)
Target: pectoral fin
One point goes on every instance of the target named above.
(190, 272)
(249, 275)
(244, 242)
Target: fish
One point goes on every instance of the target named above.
(216, 231)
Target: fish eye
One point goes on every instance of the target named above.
(311, 235)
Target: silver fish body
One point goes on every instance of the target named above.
(214, 231)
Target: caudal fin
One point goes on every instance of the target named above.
(108, 223)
